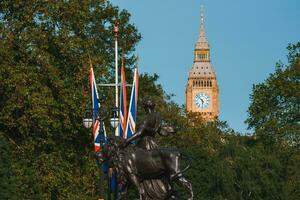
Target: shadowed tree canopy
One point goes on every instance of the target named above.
(274, 112)
(45, 49)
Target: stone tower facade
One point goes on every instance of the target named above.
(202, 92)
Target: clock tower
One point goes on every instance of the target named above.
(202, 92)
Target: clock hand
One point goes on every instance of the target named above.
(202, 100)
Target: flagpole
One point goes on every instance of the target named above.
(116, 31)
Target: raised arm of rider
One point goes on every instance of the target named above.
(133, 137)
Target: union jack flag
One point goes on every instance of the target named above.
(131, 120)
(123, 104)
(95, 122)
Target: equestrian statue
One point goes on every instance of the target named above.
(150, 169)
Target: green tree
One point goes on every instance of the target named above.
(274, 112)
(8, 183)
(45, 50)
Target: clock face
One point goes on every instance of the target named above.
(202, 100)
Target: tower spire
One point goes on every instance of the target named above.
(202, 41)
(202, 33)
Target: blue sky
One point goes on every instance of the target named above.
(246, 37)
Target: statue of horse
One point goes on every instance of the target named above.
(138, 166)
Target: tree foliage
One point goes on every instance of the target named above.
(274, 112)
(8, 181)
(45, 50)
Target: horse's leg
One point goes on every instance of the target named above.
(136, 182)
(132, 171)
(181, 180)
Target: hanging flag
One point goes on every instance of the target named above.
(95, 122)
(123, 102)
(131, 120)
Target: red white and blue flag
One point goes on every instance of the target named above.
(123, 104)
(98, 138)
(131, 120)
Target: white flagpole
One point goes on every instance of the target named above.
(116, 31)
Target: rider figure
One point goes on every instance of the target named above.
(145, 134)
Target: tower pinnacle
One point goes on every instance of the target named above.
(202, 41)
(202, 14)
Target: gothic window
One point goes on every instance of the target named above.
(204, 83)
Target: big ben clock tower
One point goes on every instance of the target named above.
(202, 92)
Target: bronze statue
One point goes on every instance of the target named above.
(150, 169)
(135, 165)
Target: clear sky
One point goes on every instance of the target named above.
(246, 37)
